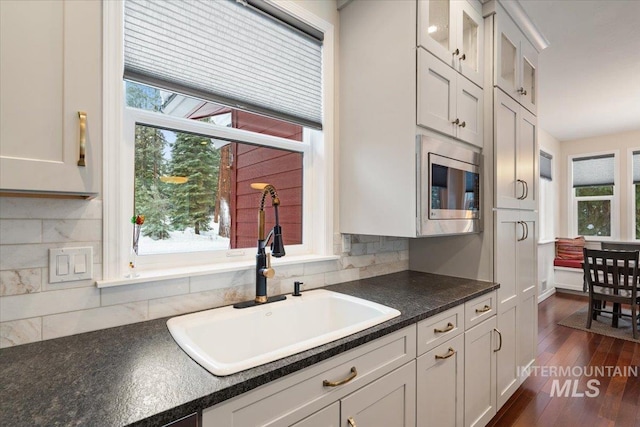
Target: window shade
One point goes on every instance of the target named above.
(594, 170)
(545, 165)
(636, 167)
(225, 52)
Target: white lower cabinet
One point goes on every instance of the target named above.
(387, 402)
(439, 372)
(480, 373)
(440, 385)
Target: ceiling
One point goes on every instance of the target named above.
(589, 78)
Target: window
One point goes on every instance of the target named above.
(215, 96)
(547, 204)
(635, 196)
(593, 192)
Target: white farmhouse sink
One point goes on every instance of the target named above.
(228, 340)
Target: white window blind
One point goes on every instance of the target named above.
(593, 170)
(225, 52)
(545, 165)
(636, 167)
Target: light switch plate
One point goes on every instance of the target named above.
(64, 262)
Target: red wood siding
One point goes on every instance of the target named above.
(280, 168)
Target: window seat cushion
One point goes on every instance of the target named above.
(570, 263)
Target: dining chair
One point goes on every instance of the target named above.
(612, 276)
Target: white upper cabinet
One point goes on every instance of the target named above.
(516, 68)
(447, 101)
(515, 154)
(453, 32)
(51, 68)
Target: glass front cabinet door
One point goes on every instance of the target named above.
(453, 32)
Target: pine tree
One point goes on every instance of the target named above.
(196, 158)
(151, 198)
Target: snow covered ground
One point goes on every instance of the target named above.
(184, 241)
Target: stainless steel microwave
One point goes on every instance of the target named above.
(449, 181)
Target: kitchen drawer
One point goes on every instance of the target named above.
(478, 309)
(437, 329)
(294, 397)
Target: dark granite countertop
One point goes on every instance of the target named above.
(137, 375)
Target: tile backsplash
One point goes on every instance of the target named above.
(32, 309)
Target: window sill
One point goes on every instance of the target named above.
(176, 273)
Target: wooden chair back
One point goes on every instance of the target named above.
(613, 273)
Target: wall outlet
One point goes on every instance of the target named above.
(70, 264)
(346, 243)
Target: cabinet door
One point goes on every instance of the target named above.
(440, 385)
(469, 104)
(508, 229)
(387, 402)
(436, 29)
(507, 48)
(327, 417)
(529, 76)
(51, 67)
(436, 94)
(527, 159)
(527, 251)
(508, 190)
(480, 374)
(470, 36)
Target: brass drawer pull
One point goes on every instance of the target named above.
(483, 309)
(447, 329)
(83, 136)
(351, 422)
(327, 383)
(450, 353)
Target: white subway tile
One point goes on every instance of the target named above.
(44, 303)
(17, 282)
(36, 208)
(71, 230)
(19, 332)
(380, 269)
(16, 231)
(23, 256)
(321, 267)
(76, 322)
(341, 276)
(361, 238)
(144, 291)
(358, 261)
(221, 280)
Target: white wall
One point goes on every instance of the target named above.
(549, 213)
(32, 309)
(620, 141)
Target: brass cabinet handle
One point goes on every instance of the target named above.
(483, 309)
(524, 232)
(499, 335)
(450, 353)
(83, 136)
(351, 422)
(525, 190)
(449, 327)
(327, 383)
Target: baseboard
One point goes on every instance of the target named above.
(546, 294)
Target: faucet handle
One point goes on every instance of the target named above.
(268, 272)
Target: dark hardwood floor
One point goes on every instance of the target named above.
(618, 398)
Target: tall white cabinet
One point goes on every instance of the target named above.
(511, 123)
(51, 103)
